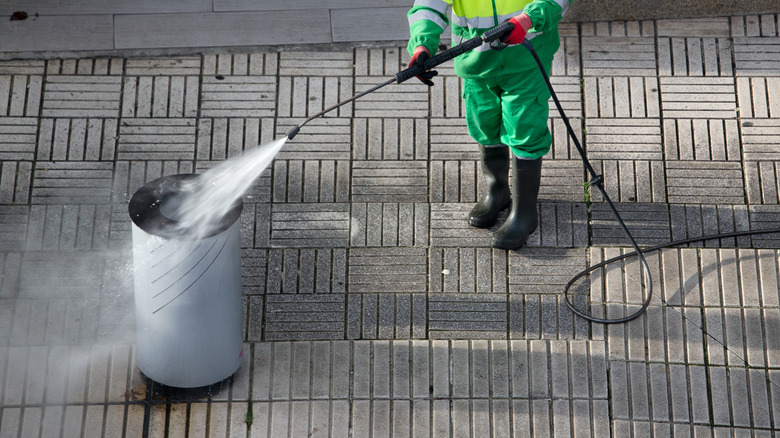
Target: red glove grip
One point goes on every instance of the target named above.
(416, 53)
(425, 77)
(522, 23)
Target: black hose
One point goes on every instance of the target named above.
(598, 181)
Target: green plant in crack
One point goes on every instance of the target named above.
(249, 417)
(586, 185)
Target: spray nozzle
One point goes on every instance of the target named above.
(293, 132)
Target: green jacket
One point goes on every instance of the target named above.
(470, 18)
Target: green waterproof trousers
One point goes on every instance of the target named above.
(510, 109)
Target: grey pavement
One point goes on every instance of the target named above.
(387, 315)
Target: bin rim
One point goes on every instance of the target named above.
(145, 212)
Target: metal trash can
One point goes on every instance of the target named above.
(187, 290)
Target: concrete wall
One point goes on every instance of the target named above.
(607, 10)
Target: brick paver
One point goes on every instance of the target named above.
(371, 308)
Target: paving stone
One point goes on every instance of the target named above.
(409, 99)
(691, 182)
(449, 140)
(756, 56)
(240, 64)
(763, 217)
(120, 233)
(648, 223)
(310, 63)
(386, 316)
(638, 139)
(544, 270)
(164, 66)
(310, 225)
(17, 138)
(304, 316)
(390, 139)
(71, 182)
(693, 54)
(754, 25)
(238, 96)
(462, 316)
(766, 260)
(68, 227)
(617, 55)
(562, 180)
(379, 61)
(561, 225)
(619, 396)
(9, 282)
(323, 138)
(569, 91)
(81, 96)
(758, 97)
(758, 136)
(15, 179)
(700, 27)
(567, 63)
(390, 224)
(447, 100)
(698, 97)
(467, 270)
(13, 227)
(387, 270)
(301, 96)
(85, 66)
(310, 181)
(156, 139)
(389, 181)
(23, 67)
(291, 271)
(716, 140)
(160, 96)
(739, 392)
(640, 406)
(689, 221)
(630, 181)
(77, 139)
(20, 95)
(563, 147)
(632, 28)
(455, 181)
(621, 97)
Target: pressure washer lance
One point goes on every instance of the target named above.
(402, 76)
(597, 180)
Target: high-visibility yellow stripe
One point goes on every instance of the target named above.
(483, 8)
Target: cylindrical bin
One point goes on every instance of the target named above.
(187, 290)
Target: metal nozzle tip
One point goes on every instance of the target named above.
(293, 132)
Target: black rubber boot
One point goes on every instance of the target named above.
(495, 167)
(522, 220)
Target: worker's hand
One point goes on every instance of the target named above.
(420, 55)
(522, 23)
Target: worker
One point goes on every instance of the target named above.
(505, 96)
